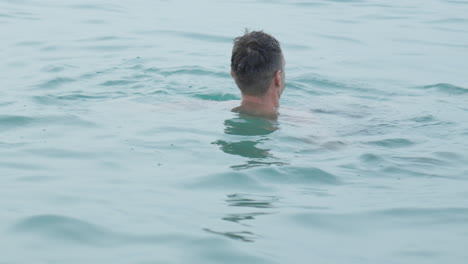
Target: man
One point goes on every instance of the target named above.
(257, 66)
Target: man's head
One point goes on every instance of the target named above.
(257, 62)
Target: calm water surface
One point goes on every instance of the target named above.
(117, 144)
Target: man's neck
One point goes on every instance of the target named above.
(263, 106)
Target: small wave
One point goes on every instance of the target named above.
(449, 156)
(61, 99)
(94, 21)
(7, 103)
(345, 1)
(61, 153)
(446, 88)
(238, 218)
(105, 48)
(457, 2)
(6, 15)
(21, 166)
(339, 113)
(411, 217)
(310, 82)
(69, 120)
(46, 100)
(205, 37)
(227, 180)
(244, 236)
(95, 7)
(55, 83)
(19, 16)
(295, 175)
(340, 38)
(103, 38)
(217, 97)
(423, 119)
(422, 160)
(56, 68)
(191, 35)
(188, 70)
(117, 82)
(371, 158)
(291, 46)
(295, 85)
(345, 21)
(252, 201)
(12, 122)
(308, 4)
(29, 43)
(80, 97)
(320, 81)
(66, 228)
(431, 43)
(398, 171)
(392, 143)
(37, 178)
(453, 20)
(76, 231)
(384, 17)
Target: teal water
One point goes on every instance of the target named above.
(117, 144)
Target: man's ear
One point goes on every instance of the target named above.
(277, 78)
(232, 74)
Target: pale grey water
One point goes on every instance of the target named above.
(117, 144)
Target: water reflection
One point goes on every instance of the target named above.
(262, 203)
(240, 218)
(249, 126)
(244, 236)
(246, 148)
(245, 137)
(255, 201)
(253, 163)
(254, 132)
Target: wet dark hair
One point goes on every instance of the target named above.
(256, 56)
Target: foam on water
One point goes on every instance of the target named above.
(117, 143)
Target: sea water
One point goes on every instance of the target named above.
(117, 144)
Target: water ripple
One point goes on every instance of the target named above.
(117, 82)
(244, 236)
(217, 96)
(108, 7)
(392, 143)
(412, 217)
(55, 83)
(61, 153)
(238, 218)
(21, 166)
(422, 160)
(227, 180)
(296, 175)
(12, 121)
(252, 201)
(343, 113)
(7, 121)
(191, 35)
(423, 119)
(445, 88)
(341, 38)
(188, 70)
(311, 81)
(76, 231)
